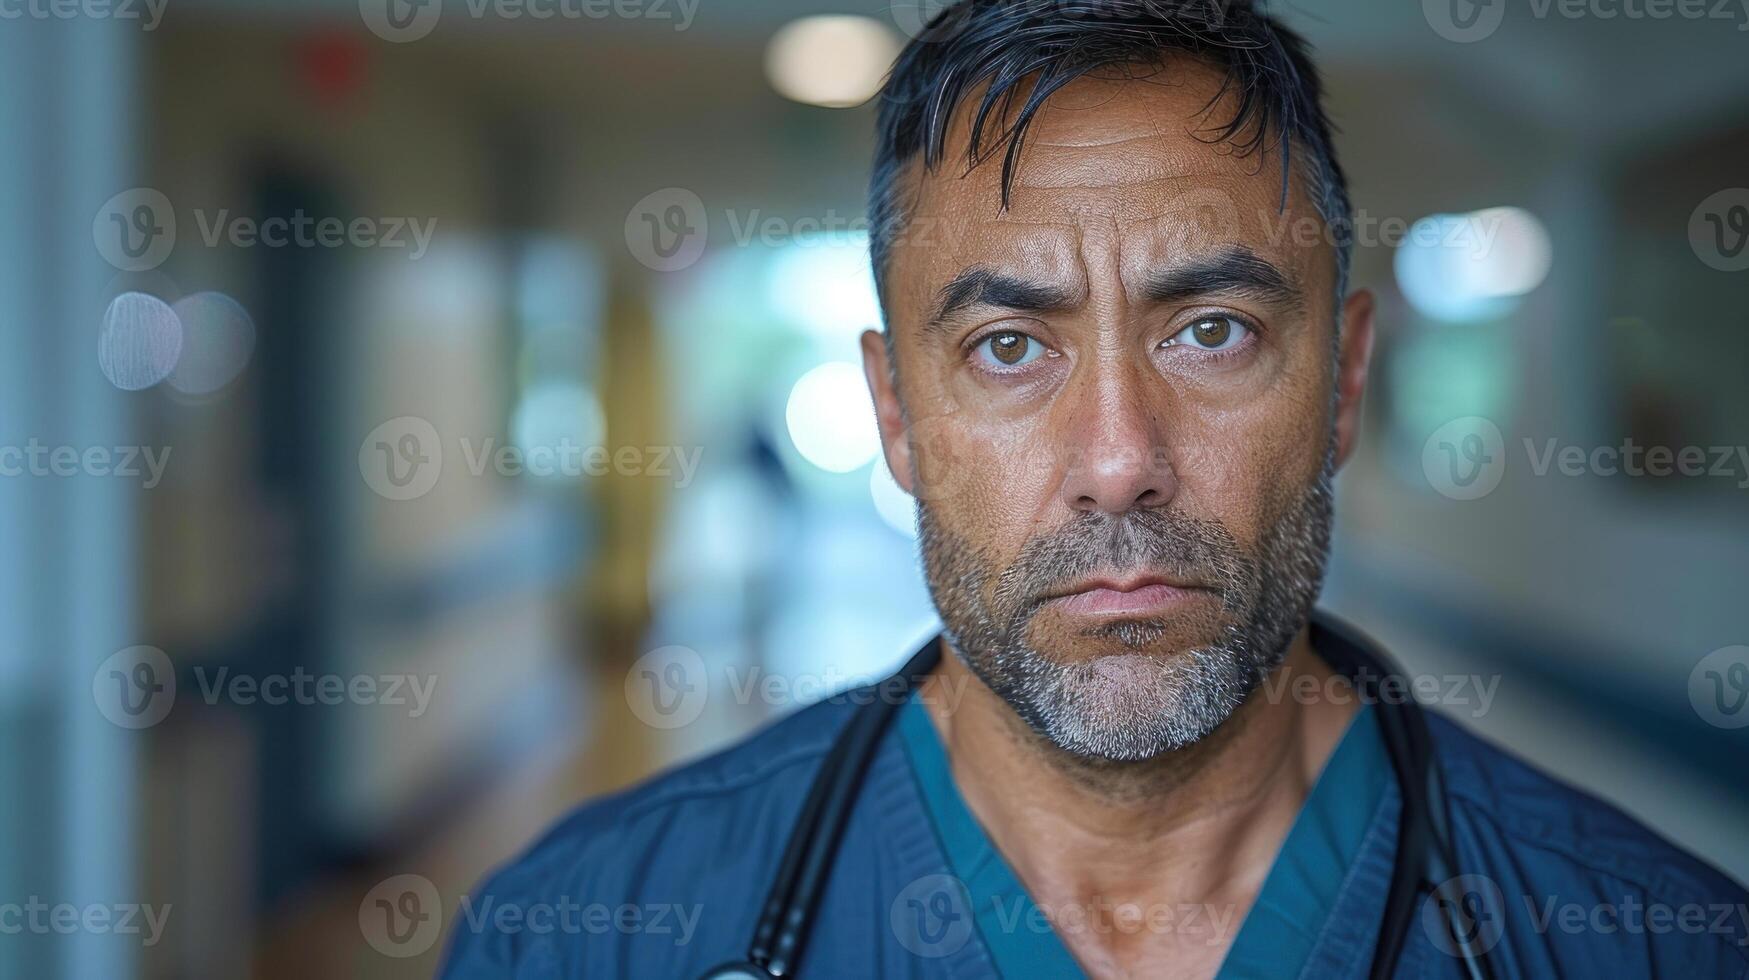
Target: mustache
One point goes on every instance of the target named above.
(1190, 549)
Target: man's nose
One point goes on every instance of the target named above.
(1115, 446)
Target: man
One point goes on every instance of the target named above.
(1119, 395)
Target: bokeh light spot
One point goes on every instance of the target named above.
(140, 341)
(831, 418)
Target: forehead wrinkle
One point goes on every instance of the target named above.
(1157, 101)
(1230, 270)
(1070, 167)
(1100, 255)
(1136, 207)
(1125, 125)
(1084, 144)
(1041, 252)
(1204, 227)
(1143, 162)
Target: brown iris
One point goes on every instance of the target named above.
(1009, 348)
(1213, 332)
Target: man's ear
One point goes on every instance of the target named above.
(888, 415)
(1351, 368)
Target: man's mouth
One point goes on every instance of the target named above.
(1128, 596)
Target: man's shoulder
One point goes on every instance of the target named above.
(1551, 847)
(778, 757)
(653, 874)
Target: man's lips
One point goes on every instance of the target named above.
(1143, 595)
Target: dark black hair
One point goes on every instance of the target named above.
(1022, 51)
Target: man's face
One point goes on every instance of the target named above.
(1119, 408)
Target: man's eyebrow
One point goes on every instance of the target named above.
(1235, 270)
(979, 286)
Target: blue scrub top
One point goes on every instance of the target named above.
(671, 876)
(1280, 931)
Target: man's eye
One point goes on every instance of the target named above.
(1009, 349)
(1211, 333)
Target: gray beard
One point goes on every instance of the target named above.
(1139, 704)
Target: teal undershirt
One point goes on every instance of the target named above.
(1279, 932)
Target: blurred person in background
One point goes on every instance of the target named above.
(1119, 398)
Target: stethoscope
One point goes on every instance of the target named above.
(1424, 857)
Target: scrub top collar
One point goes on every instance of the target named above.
(1309, 919)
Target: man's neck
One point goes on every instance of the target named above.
(1195, 827)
